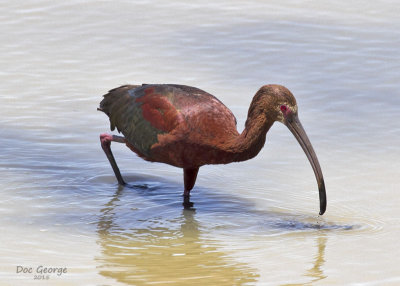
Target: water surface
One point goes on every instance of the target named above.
(253, 223)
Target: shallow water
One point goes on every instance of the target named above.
(253, 223)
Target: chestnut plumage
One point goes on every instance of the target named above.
(187, 127)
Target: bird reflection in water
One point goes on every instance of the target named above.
(315, 272)
(162, 247)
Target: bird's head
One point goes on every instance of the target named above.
(280, 104)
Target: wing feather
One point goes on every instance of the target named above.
(181, 113)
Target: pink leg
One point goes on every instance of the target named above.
(105, 140)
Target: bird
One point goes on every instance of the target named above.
(187, 127)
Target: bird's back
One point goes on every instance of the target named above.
(164, 122)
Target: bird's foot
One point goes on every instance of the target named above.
(187, 204)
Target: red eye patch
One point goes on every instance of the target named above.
(284, 108)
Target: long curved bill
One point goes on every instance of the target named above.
(293, 123)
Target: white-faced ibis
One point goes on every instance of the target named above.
(187, 127)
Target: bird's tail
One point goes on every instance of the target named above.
(114, 101)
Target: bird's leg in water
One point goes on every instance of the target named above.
(189, 179)
(105, 140)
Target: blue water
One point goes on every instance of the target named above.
(253, 223)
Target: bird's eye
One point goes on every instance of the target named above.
(284, 108)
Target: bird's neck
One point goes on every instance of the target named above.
(249, 143)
